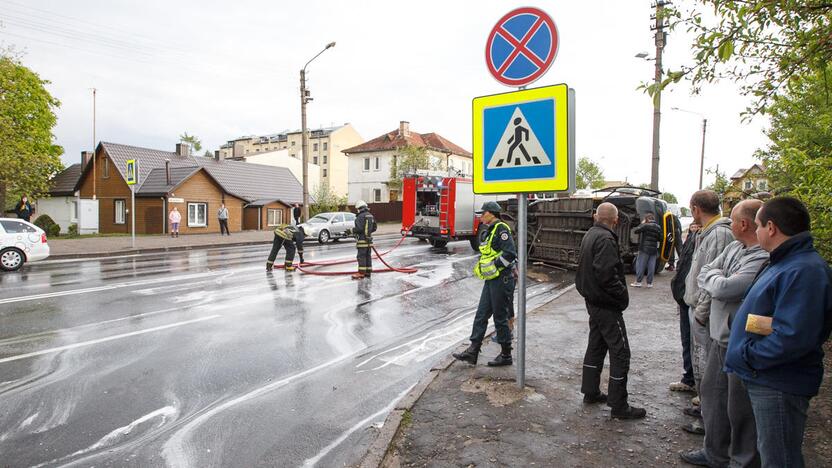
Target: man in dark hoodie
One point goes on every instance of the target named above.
(677, 287)
(600, 280)
(777, 336)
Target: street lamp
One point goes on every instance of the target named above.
(704, 130)
(304, 98)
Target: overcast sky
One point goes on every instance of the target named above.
(220, 69)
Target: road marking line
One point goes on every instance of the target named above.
(104, 340)
(309, 462)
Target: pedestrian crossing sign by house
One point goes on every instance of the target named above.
(524, 141)
(132, 176)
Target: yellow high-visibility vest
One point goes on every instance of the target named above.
(486, 268)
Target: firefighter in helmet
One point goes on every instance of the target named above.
(290, 237)
(365, 226)
(495, 266)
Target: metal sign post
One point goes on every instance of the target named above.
(522, 209)
(132, 178)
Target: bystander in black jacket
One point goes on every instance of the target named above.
(649, 237)
(677, 284)
(600, 277)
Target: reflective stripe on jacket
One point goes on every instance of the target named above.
(487, 267)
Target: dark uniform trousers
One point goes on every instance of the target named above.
(607, 333)
(497, 299)
(365, 259)
(290, 250)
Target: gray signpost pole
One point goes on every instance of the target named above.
(522, 208)
(133, 213)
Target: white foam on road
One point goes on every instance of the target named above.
(104, 340)
(174, 450)
(310, 462)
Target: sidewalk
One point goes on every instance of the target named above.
(62, 248)
(476, 416)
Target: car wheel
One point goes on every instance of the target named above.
(438, 243)
(11, 259)
(323, 237)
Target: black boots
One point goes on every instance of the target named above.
(504, 358)
(471, 354)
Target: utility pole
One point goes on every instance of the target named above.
(661, 41)
(702, 156)
(304, 145)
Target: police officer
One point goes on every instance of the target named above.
(365, 226)
(289, 237)
(495, 266)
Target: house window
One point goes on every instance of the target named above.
(106, 170)
(324, 159)
(366, 164)
(324, 172)
(748, 185)
(293, 155)
(762, 185)
(325, 145)
(74, 211)
(376, 195)
(197, 214)
(120, 211)
(378, 165)
(314, 160)
(275, 217)
(293, 143)
(314, 147)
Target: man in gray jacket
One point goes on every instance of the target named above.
(713, 238)
(730, 431)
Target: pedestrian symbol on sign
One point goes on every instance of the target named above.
(519, 146)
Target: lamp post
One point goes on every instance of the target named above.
(704, 130)
(304, 98)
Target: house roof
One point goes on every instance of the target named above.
(744, 172)
(65, 182)
(243, 180)
(396, 139)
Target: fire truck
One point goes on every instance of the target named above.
(441, 209)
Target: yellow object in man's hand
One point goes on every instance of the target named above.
(759, 324)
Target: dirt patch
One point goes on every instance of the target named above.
(500, 392)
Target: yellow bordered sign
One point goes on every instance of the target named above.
(131, 175)
(524, 141)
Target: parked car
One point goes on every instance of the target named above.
(329, 226)
(20, 242)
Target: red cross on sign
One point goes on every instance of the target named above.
(521, 46)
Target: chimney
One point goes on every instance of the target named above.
(404, 128)
(217, 155)
(167, 172)
(183, 149)
(86, 157)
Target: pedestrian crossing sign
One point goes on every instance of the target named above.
(132, 177)
(524, 141)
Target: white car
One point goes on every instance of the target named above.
(327, 226)
(20, 242)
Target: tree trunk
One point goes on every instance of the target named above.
(2, 199)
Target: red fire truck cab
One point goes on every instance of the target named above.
(441, 209)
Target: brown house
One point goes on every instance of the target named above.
(257, 196)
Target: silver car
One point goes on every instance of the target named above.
(329, 226)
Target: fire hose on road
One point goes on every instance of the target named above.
(305, 266)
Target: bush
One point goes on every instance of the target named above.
(72, 230)
(49, 226)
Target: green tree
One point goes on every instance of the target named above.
(408, 160)
(28, 155)
(669, 197)
(799, 158)
(720, 185)
(192, 140)
(763, 45)
(589, 174)
(325, 200)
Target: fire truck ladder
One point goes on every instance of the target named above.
(444, 208)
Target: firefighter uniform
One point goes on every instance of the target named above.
(291, 238)
(495, 267)
(365, 225)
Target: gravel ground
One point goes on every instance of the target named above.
(476, 416)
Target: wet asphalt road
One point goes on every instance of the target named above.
(201, 358)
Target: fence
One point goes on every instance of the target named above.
(382, 212)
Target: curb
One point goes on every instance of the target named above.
(120, 253)
(376, 454)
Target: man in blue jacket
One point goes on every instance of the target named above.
(782, 363)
